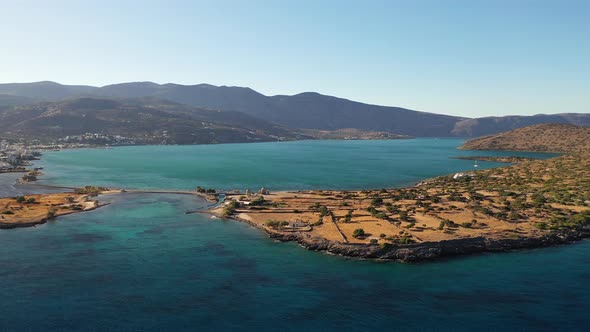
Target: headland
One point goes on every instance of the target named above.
(533, 203)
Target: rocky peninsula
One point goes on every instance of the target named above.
(534, 203)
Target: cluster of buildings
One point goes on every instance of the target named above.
(15, 154)
(95, 138)
(262, 191)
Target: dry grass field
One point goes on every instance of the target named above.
(529, 199)
(35, 209)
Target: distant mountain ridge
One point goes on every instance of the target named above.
(307, 110)
(494, 125)
(45, 90)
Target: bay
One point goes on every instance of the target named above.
(141, 264)
(277, 166)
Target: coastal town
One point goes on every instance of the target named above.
(14, 156)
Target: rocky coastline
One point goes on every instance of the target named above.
(425, 251)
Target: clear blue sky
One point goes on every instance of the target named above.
(471, 58)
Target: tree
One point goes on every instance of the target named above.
(392, 209)
(230, 208)
(358, 233)
(403, 215)
(377, 201)
(348, 217)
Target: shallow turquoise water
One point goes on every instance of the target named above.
(288, 165)
(142, 264)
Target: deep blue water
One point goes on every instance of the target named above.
(141, 264)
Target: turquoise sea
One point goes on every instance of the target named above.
(141, 264)
(277, 166)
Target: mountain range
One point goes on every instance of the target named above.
(307, 110)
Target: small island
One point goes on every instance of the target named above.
(31, 210)
(533, 203)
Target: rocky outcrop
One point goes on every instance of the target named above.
(431, 250)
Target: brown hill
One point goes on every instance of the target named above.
(498, 124)
(141, 121)
(541, 138)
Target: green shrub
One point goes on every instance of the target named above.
(348, 217)
(324, 211)
(377, 201)
(541, 225)
(230, 208)
(404, 240)
(358, 233)
(258, 201)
